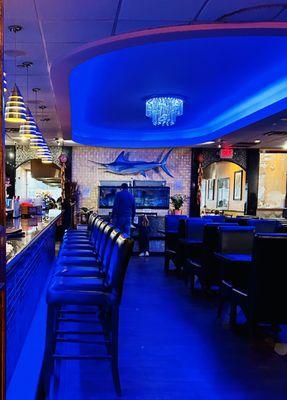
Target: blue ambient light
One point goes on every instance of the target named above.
(227, 82)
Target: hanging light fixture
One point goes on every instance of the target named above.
(46, 158)
(4, 82)
(36, 143)
(28, 129)
(163, 110)
(15, 110)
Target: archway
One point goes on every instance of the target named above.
(34, 180)
(223, 188)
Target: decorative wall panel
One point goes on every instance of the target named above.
(89, 175)
(213, 155)
(25, 153)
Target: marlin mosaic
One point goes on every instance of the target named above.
(123, 166)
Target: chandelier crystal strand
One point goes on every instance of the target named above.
(164, 110)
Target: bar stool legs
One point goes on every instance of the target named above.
(114, 349)
(110, 324)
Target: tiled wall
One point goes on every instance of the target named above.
(272, 180)
(88, 175)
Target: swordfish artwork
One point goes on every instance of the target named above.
(123, 166)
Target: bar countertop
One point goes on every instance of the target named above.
(32, 227)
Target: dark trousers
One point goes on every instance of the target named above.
(123, 224)
(143, 239)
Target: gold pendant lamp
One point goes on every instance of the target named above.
(15, 110)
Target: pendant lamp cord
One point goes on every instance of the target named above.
(15, 57)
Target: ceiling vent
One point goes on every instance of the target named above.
(276, 133)
(244, 144)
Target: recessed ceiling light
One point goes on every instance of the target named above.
(210, 142)
(257, 141)
(283, 119)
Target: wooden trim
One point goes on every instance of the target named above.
(2, 226)
(270, 209)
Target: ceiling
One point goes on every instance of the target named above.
(52, 29)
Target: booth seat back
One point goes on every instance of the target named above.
(210, 263)
(172, 222)
(120, 257)
(264, 225)
(195, 228)
(267, 291)
(211, 236)
(236, 239)
(215, 218)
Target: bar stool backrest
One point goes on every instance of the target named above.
(95, 230)
(236, 240)
(111, 240)
(100, 236)
(107, 230)
(91, 224)
(120, 257)
(267, 292)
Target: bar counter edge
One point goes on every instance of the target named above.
(26, 277)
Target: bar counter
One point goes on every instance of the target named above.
(29, 261)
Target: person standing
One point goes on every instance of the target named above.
(124, 210)
(144, 232)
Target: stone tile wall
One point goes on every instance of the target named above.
(89, 175)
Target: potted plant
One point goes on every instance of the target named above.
(84, 214)
(177, 201)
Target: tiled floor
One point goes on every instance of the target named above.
(173, 348)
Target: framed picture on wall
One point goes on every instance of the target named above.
(211, 189)
(237, 188)
(223, 193)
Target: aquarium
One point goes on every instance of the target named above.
(145, 197)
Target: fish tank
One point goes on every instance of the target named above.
(145, 197)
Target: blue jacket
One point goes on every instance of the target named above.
(124, 205)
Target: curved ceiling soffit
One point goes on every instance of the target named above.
(62, 67)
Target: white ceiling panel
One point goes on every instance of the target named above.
(215, 9)
(282, 17)
(61, 10)
(17, 11)
(160, 9)
(254, 14)
(76, 31)
(57, 50)
(125, 26)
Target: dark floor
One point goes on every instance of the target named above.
(173, 348)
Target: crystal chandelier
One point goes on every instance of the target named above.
(164, 110)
